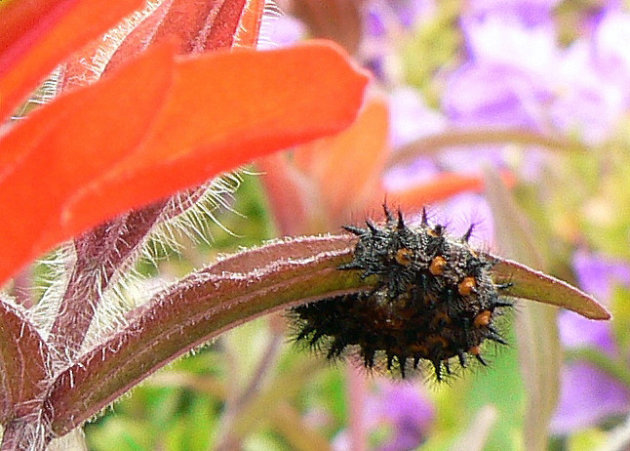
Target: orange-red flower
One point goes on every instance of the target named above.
(165, 119)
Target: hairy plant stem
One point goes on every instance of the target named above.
(188, 314)
(100, 254)
(193, 311)
(15, 436)
(25, 433)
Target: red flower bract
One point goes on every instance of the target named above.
(159, 124)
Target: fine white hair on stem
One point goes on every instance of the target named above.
(186, 215)
(55, 270)
(195, 217)
(115, 37)
(47, 91)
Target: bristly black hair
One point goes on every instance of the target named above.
(435, 301)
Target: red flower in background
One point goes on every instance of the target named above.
(328, 182)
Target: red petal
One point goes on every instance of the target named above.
(146, 132)
(440, 188)
(68, 143)
(226, 109)
(37, 34)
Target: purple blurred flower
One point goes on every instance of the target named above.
(592, 78)
(402, 409)
(384, 23)
(529, 12)
(375, 23)
(405, 410)
(411, 118)
(517, 75)
(506, 80)
(588, 395)
(611, 39)
(492, 94)
(599, 275)
(497, 39)
(588, 102)
(387, 16)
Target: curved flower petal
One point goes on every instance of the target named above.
(441, 187)
(157, 126)
(64, 145)
(241, 111)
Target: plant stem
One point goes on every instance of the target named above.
(23, 434)
(463, 138)
(101, 253)
(195, 310)
(356, 407)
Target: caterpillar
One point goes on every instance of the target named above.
(434, 302)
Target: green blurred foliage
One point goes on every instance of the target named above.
(433, 48)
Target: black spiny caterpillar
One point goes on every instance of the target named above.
(435, 300)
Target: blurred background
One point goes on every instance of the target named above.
(512, 115)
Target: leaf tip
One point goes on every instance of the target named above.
(527, 283)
